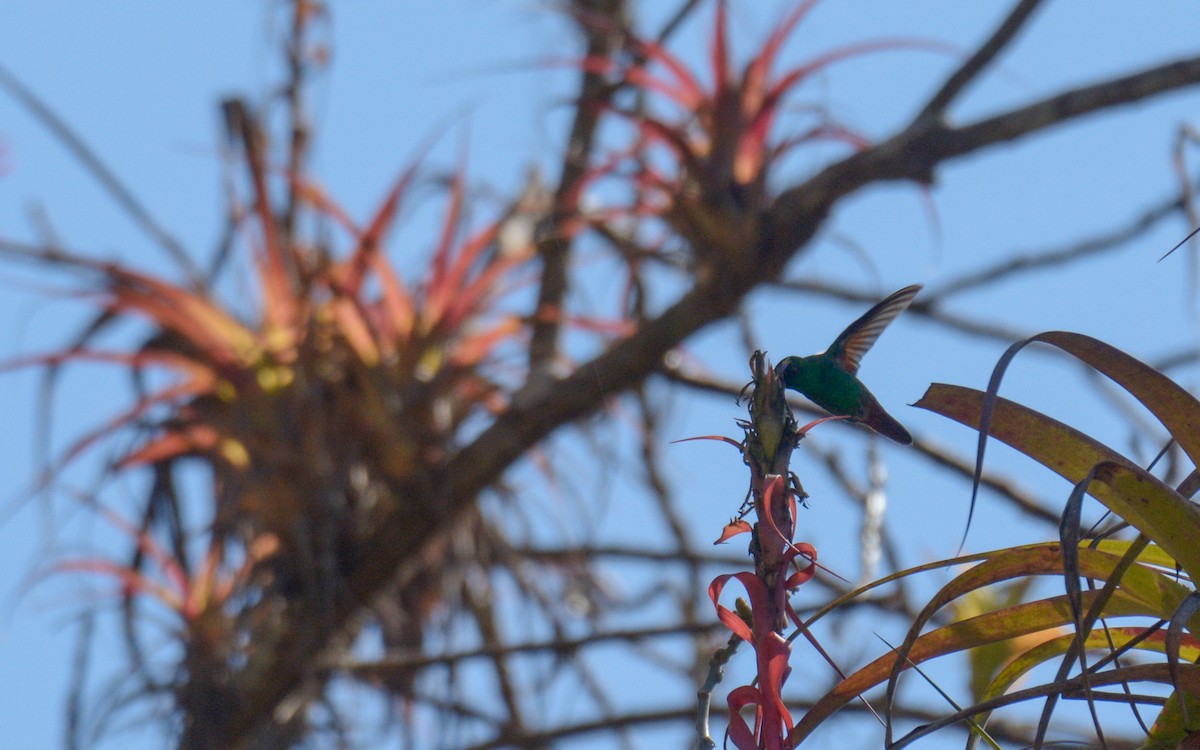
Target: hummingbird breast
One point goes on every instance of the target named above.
(831, 387)
(835, 390)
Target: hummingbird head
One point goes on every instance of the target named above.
(795, 372)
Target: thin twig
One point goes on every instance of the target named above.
(1086, 248)
(105, 176)
(975, 64)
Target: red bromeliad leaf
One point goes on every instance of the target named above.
(316, 197)
(732, 529)
(172, 394)
(199, 376)
(130, 580)
(609, 327)
(453, 299)
(356, 331)
(397, 303)
(675, 138)
(722, 438)
(775, 486)
(220, 337)
(723, 132)
(367, 251)
(450, 227)
(176, 442)
(833, 418)
(203, 323)
(274, 258)
(686, 94)
(773, 722)
(188, 596)
(170, 567)
(772, 93)
(198, 379)
(743, 737)
(827, 131)
(754, 77)
(804, 575)
(475, 348)
(773, 670)
(691, 93)
(719, 55)
(757, 593)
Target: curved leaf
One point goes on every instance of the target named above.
(1068, 452)
(1174, 407)
(977, 631)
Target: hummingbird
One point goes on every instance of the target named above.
(829, 379)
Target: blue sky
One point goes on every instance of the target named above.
(141, 80)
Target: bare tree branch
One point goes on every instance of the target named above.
(554, 249)
(105, 176)
(1090, 246)
(1004, 33)
(376, 668)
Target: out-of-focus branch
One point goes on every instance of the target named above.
(297, 60)
(956, 83)
(1086, 248)
(677, 19)
(927, 305)
(916, 152)
(1188, 136)
(855, 714)
(599, 21)
(722, 561)
(403, 663)
(105, 176)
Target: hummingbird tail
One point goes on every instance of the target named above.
(890, 428)
(885, 424)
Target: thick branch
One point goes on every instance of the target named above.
(917, 151)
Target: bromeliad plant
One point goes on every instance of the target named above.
(703, 151)
(326, 409)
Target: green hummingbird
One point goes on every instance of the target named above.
(829, 379)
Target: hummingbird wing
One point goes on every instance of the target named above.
(858, 338)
